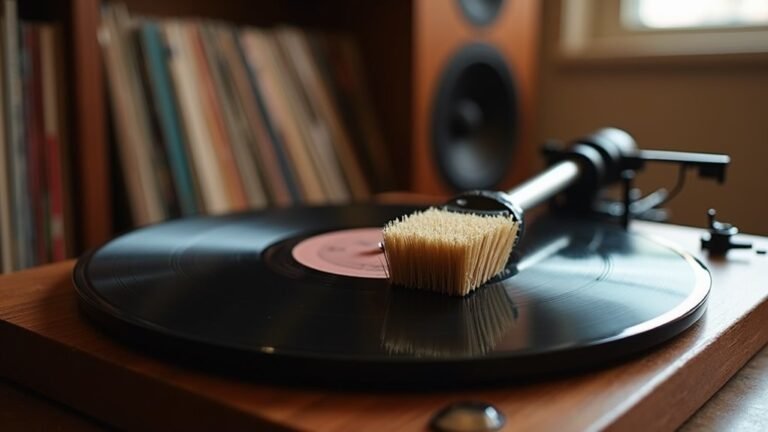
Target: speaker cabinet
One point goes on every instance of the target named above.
(474, 66)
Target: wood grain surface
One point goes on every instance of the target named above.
(56, 353)
(741, 405)
(91, 163)
(22, 410)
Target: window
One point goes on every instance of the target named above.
(693, 14)
(662, 28)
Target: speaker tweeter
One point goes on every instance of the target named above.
(481, 12)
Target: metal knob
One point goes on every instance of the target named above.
(718, 239)
(468, 416)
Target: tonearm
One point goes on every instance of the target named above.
(578, 173)
(610, 156)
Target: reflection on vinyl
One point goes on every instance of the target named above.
(301, 295)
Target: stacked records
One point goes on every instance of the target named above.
(212, 118)
(35, 198)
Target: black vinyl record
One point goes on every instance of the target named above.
(300, 295)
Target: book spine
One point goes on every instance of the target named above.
(158, 150)
(118, 94)
(317, 136)
(62, 121)
(23, 250)
(273, 86)
(170, 127)
(187, 90)
(339, 60)
(271, 145)
(6, 194)
(236, 127)
(35, 145)
(300, 42)
(213, 115)
(249, 121)
(53, 143)
(135, 141)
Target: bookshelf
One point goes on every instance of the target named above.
(400, 72)
(381, 30)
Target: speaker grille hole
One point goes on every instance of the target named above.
(474, 122)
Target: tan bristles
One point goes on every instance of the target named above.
(448, 252)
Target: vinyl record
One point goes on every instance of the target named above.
(301, 295)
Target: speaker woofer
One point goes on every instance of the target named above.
(481, 12)
(475, 119)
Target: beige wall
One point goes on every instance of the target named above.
(708, 106)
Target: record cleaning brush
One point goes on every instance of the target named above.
(458, 247)
(448, 251)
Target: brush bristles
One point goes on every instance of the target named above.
(448, 252)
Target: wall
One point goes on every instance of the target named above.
(709, 106)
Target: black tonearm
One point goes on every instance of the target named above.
(618, 162)
(577, 173)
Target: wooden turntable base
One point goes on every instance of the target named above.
(48, 347)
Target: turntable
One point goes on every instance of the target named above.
(285, 318)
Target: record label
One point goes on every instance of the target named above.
(350, 252)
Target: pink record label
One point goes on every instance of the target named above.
(349, 252)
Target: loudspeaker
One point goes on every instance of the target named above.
(474, 70)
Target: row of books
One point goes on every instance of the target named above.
(35, 227)
(212, 118)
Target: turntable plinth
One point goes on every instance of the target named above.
(48, 347)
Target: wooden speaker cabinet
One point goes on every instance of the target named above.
(474, 72)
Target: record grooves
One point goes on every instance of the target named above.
(229, 293)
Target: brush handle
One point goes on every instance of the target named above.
(544, 186)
